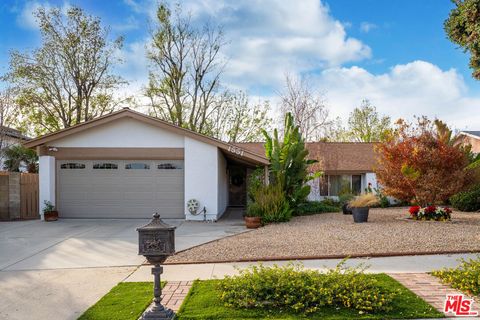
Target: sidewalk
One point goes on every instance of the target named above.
(403, 264)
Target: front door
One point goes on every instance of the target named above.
(237, 186)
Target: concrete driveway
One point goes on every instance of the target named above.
(57, 270)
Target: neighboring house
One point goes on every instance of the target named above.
(344, 165)
(8, 137)
(129, 165)
(472, 138)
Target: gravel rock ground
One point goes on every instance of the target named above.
(331, 234)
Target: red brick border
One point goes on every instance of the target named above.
(174, 293)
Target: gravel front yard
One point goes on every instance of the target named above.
(335, 234)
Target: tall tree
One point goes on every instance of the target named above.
(463, 28)
(8, 117)
(239, 120)
(366, 125)
(307, 107)
(69, 78)
(185, 70)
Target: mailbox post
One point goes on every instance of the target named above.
(156, 241)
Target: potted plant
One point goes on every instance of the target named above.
(253, 219)
(49, 212)
(344, 199)
(360, 206)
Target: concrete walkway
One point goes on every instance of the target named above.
(57, 270)
(404, 264)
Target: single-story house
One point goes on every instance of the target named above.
(472, 138)
(130, 165)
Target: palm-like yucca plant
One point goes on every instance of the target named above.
(288, 161)
(15, 155)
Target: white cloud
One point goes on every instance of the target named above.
(415, 88)
(270, 37)
(26, 16)
(131, 23)
(367, 26)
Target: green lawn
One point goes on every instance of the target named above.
(126, 301)
(202, 302)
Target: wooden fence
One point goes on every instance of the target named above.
(18, 196)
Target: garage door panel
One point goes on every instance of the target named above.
(120, 193)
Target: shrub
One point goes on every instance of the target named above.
(312, 207)
(270, 204)
(295, 289)
(345, 198)
(421, 163)
(364, 200)
(467, 200)
(430, 213)
(255, 181)
(465, 277)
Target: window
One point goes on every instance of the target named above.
(169, 166)
(137, 166)
(356, 184)
(335, 185)
(339, 184)
(324, 186)
(72, 165)
(106, 165)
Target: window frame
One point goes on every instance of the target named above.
(328, 182)
(103, 166)
(68, 166)
(146, 166)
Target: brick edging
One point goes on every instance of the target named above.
(427, 287)
(174, 293)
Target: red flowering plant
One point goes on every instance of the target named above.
(431, 213)
(414, 211)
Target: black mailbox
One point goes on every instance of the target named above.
(156, 241)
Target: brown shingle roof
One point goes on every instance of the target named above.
(333, 156)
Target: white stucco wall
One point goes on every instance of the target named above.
(371, 178)
(201, 177)
(122, 133)
(314, 194)
(222, 184)
(46, 174)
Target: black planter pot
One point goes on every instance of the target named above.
(360, 214)
(346, 209)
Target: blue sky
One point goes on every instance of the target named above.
(394, 53)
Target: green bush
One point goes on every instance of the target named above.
(270, 204)
(293, 288)
(465, 277)
(255, 181)
(467, 200)
(345, 198)
(312, 207)
(331, 202)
